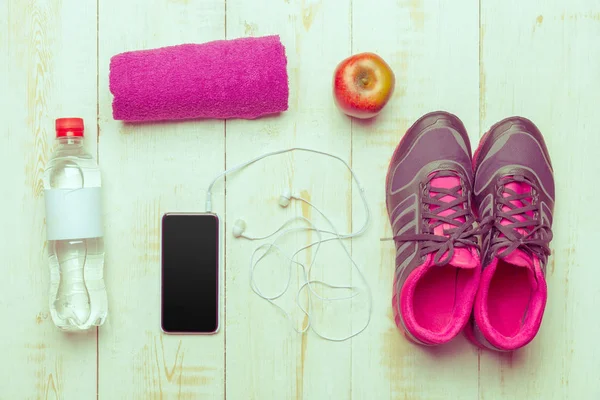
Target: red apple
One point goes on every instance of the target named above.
(362, 85)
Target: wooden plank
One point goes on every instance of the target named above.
(47, 70)
(265, 358)
(148, 170)
(545, 67)
(432, 46)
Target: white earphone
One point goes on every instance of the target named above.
(284, 201)
(239, 227)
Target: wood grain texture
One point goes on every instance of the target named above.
(148, 170)
(482, 60)
(432, 47)
(540, 60)
(266, 359)
(45, 53)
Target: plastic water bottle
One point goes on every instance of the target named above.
(74, 231)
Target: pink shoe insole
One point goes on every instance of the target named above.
(437, 294)
(509, 297)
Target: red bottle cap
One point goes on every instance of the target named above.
(67, 127)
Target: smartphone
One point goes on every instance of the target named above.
(190, 273)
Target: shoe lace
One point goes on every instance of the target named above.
(524, 230)
(462, 234)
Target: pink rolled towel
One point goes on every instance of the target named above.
(241, 78)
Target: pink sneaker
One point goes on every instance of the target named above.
(428, 191)
(514, 198)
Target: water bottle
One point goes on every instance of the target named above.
(74, 232)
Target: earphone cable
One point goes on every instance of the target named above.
(281, 232)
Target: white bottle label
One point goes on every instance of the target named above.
(73, 213)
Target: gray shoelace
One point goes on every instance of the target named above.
(462, 235)
(536, 240)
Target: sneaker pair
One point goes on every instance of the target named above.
(472, 234)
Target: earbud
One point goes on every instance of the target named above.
(284, 199)
(238, 228)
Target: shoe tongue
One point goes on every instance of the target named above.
(445, 182)
(462, 257)
(519, 188)
(518, 258)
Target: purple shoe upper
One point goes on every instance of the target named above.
(514, 152)
(437, 145)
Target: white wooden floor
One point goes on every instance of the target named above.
(483, 60)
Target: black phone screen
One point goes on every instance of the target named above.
(190, 273)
